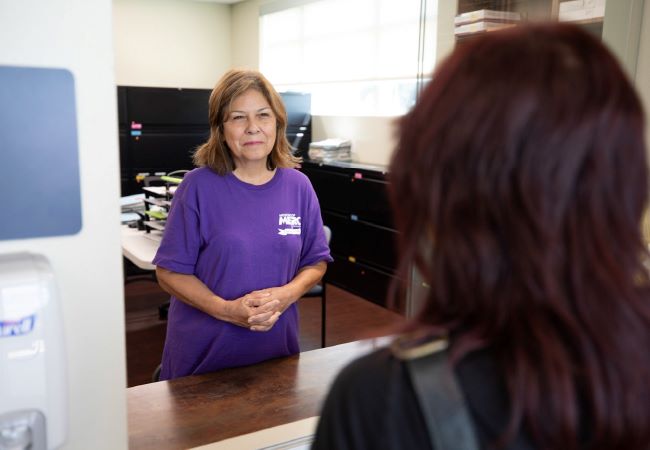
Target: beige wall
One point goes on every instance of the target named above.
(642, 78)
(76, 35)
(372, 137)
(245, 34)
(171, 43)
(445, 40)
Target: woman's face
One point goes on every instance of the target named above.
(250, 129)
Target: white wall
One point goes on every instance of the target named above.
(76, 35)
(171, 43)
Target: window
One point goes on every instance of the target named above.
(356, 57)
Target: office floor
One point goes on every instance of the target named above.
(349, 318)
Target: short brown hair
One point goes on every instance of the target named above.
(215, 152)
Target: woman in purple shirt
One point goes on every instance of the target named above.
(244, 238)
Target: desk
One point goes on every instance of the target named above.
(140, 247)
(201, 409)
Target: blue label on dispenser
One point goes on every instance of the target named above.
(17, 327)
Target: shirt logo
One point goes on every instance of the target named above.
(291, 223)
(17, 327)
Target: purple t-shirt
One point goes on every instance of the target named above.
(236, 238)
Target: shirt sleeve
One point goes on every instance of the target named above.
(315, 247)
(181, 240)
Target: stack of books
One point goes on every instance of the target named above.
(484, 20)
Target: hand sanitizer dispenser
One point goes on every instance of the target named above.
(33, 388)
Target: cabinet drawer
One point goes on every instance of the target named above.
(332, 189)
(367, 243)
(153, 152)
(369, 201)
(342, 233)
(165, 106)
(374, 245)
(364, 281)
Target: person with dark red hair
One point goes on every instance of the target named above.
(518, 186)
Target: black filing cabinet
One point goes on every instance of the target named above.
(354, 204)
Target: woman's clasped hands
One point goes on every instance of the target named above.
(259, 310)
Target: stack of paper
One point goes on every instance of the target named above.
(132, 206)
(330, 150)
(484, 20)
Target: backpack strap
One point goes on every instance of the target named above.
(439, 396)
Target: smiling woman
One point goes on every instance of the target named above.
(242, 96)
(227, 259)
(250, 133)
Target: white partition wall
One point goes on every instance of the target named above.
(76, 35)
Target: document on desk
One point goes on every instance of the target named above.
(297, 435)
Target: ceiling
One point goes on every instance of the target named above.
(226, 2)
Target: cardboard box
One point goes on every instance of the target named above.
(571, 6)
(594, 12)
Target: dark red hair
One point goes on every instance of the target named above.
(518, 185)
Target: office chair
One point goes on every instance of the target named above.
(320, 291)
(156, 373)
(178, 173)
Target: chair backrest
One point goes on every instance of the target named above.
(153, 180)
(178, 173)
(328, 233)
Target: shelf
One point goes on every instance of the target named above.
(162, 215)
(503, 5)
(530, 11)
(481, 27)
(155, 224)
(160, 191)
(592, 21)
(158, 202)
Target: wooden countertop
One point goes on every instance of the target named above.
(201, 409)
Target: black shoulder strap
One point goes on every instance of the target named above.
(439, 396)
